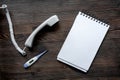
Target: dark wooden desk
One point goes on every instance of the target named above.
(28, 14)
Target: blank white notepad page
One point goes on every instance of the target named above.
(82, 42)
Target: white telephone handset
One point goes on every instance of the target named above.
(50, 22)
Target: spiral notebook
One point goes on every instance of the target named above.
(83, 42)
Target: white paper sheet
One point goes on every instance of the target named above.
(82, 42)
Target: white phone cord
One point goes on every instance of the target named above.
(12, 32)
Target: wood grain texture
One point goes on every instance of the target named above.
(28, 14)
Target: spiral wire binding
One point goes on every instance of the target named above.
(94, 19)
